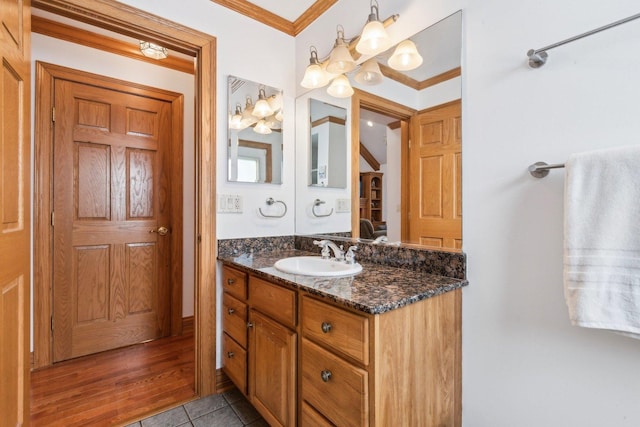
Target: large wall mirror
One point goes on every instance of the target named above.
(328, 145)
(388, 179)
(254, 149)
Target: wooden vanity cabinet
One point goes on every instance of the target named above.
(234, 326)
(273, 351)
(311, 362)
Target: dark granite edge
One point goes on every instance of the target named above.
(377, 309)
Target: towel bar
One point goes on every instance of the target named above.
(270, 201)
(541, 169)
(318, 202)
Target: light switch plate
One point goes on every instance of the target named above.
(343, 205)
(229, 203)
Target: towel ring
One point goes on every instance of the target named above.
(270, 201)
(318, 202)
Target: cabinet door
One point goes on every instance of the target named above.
(272, 367)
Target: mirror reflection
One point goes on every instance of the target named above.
(424, 181)
(254, 149)
(328, 145)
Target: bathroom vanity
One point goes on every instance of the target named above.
(379, 348)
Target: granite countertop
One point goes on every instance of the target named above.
(377, 289)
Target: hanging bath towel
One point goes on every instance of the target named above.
(602, 239)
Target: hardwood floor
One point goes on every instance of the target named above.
(117, 386)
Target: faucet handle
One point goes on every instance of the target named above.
(350, 257)
(326, 251)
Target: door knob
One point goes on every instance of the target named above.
(162, 231)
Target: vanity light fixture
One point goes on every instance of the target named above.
(340, 59)
(374, 38)
(248, 119)
(340, 87)
(262, 108)
(235, 121)
(369, 73)
(314, 75)
(152, 50)
(262, 128)
(405, 57)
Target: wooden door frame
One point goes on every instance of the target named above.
(46, 75)
(133, 22)
(368, 101)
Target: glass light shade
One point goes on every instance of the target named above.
(235, 120)
(374, 39)
(247, 118)
(314, 77)
(275, 101)
(152, 50)
(273, 122)
(340, 60)
(279, 116)
(340, 87)
(262, 108)
(405, 57)
(262, 128)
(369, 73)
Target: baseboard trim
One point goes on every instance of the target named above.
(223, 383)
(188, 324)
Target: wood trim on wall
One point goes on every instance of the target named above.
(416, 84)
(328, 119)
(133, 22)
(98, 41)
(269, 18)
(369, 158)
(368, 101)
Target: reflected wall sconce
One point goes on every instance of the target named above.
(264, 116)
(152, 50)
(372, 41)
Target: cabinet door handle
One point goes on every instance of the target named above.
(249, 325)
(231, 281)
(230, 310)
(230, 354)
(325, 375)
(326, 327)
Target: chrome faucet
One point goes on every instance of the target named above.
(350, 257)
(381, 239)
(327, 246)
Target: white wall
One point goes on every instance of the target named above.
(54, 51)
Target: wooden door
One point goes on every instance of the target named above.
(272, 370)
(111, 199)
(435, 185)
(14, 211)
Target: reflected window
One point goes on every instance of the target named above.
(248, 169)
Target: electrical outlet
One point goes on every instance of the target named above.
(343, 205)
(229, 203)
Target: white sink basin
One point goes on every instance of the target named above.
(316, 266)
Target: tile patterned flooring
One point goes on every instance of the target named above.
(229, 409)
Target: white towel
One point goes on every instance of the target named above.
(602, 239)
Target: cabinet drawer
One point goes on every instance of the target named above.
(273, 300)
(234, 362)
(234, 319)
(309, 417)
(234, 282)
(333, 386)
(345, 332)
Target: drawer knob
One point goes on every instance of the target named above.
(231, 311)
(326, 327)
(230, 354)
(325, 375)
(249, 325)
(231, 281)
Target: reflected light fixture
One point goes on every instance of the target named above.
(340, 59)
(314, 75)
(152, 50)
(374, 38)
(405, 57)
(235, 122)
(262, 128)
(340, 87)
(262, 108)
(248, 119)
(369, 73)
